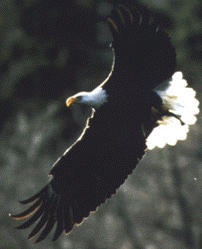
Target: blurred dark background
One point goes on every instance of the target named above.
(52, 49)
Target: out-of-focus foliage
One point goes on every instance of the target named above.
(52, 49)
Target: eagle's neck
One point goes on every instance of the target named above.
(95, 98)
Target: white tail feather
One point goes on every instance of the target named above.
(180, 100)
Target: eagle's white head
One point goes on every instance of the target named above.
(95, 98)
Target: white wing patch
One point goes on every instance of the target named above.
(178, 99)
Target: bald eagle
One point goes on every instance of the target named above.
(141, 104)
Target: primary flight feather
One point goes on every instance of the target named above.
(126, 108)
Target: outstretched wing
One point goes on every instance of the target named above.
(83, 178)
(142, 46)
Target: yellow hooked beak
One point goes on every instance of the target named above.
(69, 101)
